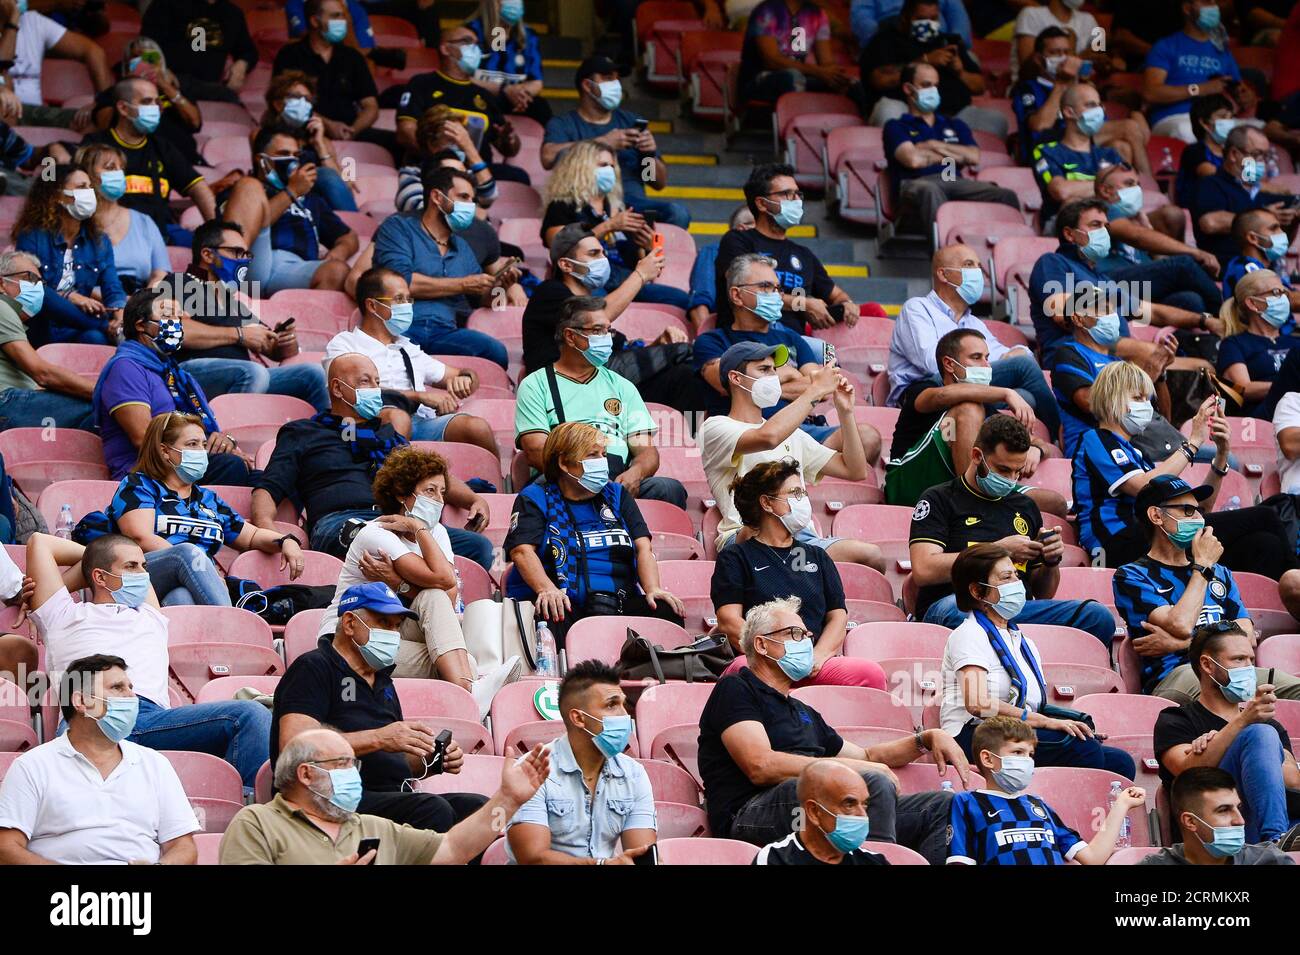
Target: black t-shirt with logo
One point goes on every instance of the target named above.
(792, 851)
(438, 89)
(341, 84)
(751, 573)
(1180, 725)
(797, 267)
(955, 515)
(154, 170)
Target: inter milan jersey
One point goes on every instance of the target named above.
(1145, 584)
(988, 828)
(1239, 266)
(1102, 463)
(202, 519)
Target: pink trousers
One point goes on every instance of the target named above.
(837, 671)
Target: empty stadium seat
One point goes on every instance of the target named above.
(193, 665)
(679, 744)
(85, 360)
(896, 854)
(37, 457)
(205, 775)
(83, 496)
(705, 852)
(466, 461)
(514, 706)
(855, 706)
(665, 705)
(872, 521)
(319, 569)
(706, 56)
(1080, 798)
(679, 821)
(301, 633)
(200, 624)
(670, 782)
(1281, 650)
(225, 687)
(478, 774)
(1059, 644)
(419, 698)
(500, 507)
(883, 641)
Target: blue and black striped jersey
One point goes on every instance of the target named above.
(988, 828)
(1075, 366)
(1102, 462)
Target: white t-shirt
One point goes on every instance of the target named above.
(718, 438)
(72, 815)
(36, 34)
(1287, 415)
(388, 359)
(969, 645)
(1032, 21)
(75, 630)
(372, 539)
(11, 578)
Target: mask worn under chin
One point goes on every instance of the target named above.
(171, 333)
(1015, 775)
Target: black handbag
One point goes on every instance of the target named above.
(1054, 712)
(700, 662)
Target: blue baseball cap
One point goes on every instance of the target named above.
(376, 596)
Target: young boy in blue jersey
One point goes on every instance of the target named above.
(1004, 825)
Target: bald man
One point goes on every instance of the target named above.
(833, 802)
(327, 463)
(1065, 169)
(1261, 243)
(957, 282)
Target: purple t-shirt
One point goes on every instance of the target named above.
(127, 382)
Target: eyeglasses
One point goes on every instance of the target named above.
(395, 299)
(28, 276)
(1183, 510)
(786, 194)
(236, 251)
(798, 494)
(338, 762)
(789, 633)
(761, 286)
(597, 330)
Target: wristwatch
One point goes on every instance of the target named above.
(1215, 468)
(920, 742)
(404, 587)
(1204, 571)
(1193, 89)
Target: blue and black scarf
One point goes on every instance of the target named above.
(186, 393)
(1008, 661)
(366, 444)
(563, 544)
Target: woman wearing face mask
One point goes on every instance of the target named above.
(139, 250)
(142, 380)
(586, 186)
(579, 545)
(57, 225)
(290, 104)
(774, 506)
(408, 549)
(1254, 347)
(180, 525)
(991, 669)
(437, 134)
(1109, 471)
(1212, 120)
(512, 71)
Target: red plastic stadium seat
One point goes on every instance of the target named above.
(602, 638)
(668, 704)
(705, 852)
(679, 745)
(1065, 681)
(855, 706)
(804, 143)
(205, 775)
(514, 706)
(195, 624)
(952, 215)
(465, 461)
(500, 507)
(62, 80)
(884, 641)
(872, 521)
(85, 360)
(16, 737)
(706, 56)
(193, 665)
(225, 688)
(1080, 798)
(1058, 644)
(84, 496)
(1086, 583)
(319, 569)
(680, 821)
(419, 698)
(923, 777)
(896, 854)
(478, 774)
(37, 457)
(253, 419)
(1281, 650)
(300, 633)
(670, 782)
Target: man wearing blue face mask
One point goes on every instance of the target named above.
(441, 269)
(834, 803)
(1261, 244)
(44, 793)
(1232, 726)
(122, 616)
(570, 821)
(1237, 187)
(927, 151)
(1066, 167)
(1209, 821)
(1194, 61)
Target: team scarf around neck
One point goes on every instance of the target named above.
(1008, 661)
(365, 442)
(563, 541)
(186, 394)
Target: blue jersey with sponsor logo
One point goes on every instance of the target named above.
(1055, 160)
(1102, 462)
(202, 519)
(988, 828)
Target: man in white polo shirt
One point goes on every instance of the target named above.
(406, 374)
(122, 618)
(90, 797)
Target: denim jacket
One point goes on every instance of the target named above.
(92, 260)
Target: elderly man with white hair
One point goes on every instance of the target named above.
(755, 740)
(33, 391)
(312, 820)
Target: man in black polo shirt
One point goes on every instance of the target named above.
(154, 167)
(454, 86)
(221, 334)
(809, 295)
(347, 684)
(326, 464)
(201, 67)
(753, 732)
(984, 505)
(834, 803)
(347, 100)
(1235, 188)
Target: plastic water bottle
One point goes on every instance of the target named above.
(945, 786)
(1166, 160)
(1123, 840)
(546, 656)
(66, 523)
(460, 597)
(1233, 504)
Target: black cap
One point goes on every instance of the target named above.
(593, 65)
(1166, 487)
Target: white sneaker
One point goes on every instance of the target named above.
(489, 683)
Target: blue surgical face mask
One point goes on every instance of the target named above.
(597, 273)
(1208, 18)
(1015, 775)
(335, 31)
(1226, 842)
(297, 110)
(31, 296)
(512, 11)
(992, 483)
(928, 99)
(1011, 598)
(400, 316)
(1250, 171)
(1106, 332)
(345, 786)
(1277, 311)
(461, 216)
(849, 832)
(1098, 245)
(790, 214)
(112, 184)
(1091, 120)
(971, 286)
(134, 589)
(595, 474)
(611, 94)
(797, 663)
(1127, 204)
(1241, 683)
(1140, 415)
(22, 7)
(1276, 246)
(147, 117)
(599, 349)
(470, 57)
(380, 650)
(1221, 129)
(606, 179)
(119, 721)
(614, 733)
(768, 306)
(193, 464)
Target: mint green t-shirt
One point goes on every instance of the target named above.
(608, 402)
(12, 329)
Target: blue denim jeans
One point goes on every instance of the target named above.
(61, 321)
(239, 731)
(227, 376)
(1177, 281)
(430, 429)
(331, 187)
(471, 545)
(437, 339)
(1084, 614)
(1254, 760)
(32, 408)
(184, 574)
(275, 270)
(1023, 374)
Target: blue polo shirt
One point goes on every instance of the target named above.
(405, 246)
(570, 128)
(1225, 193)
(1237, 268)
(712, 344)
(1186, 61)
(1027, 98)
(1065, 270)
(910, 128)
(1185, 185)
(1054, 160)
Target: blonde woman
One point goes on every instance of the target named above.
(586, 186)
(1109, 472)
(512, 58)
(1253, 347)
(139, 250)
